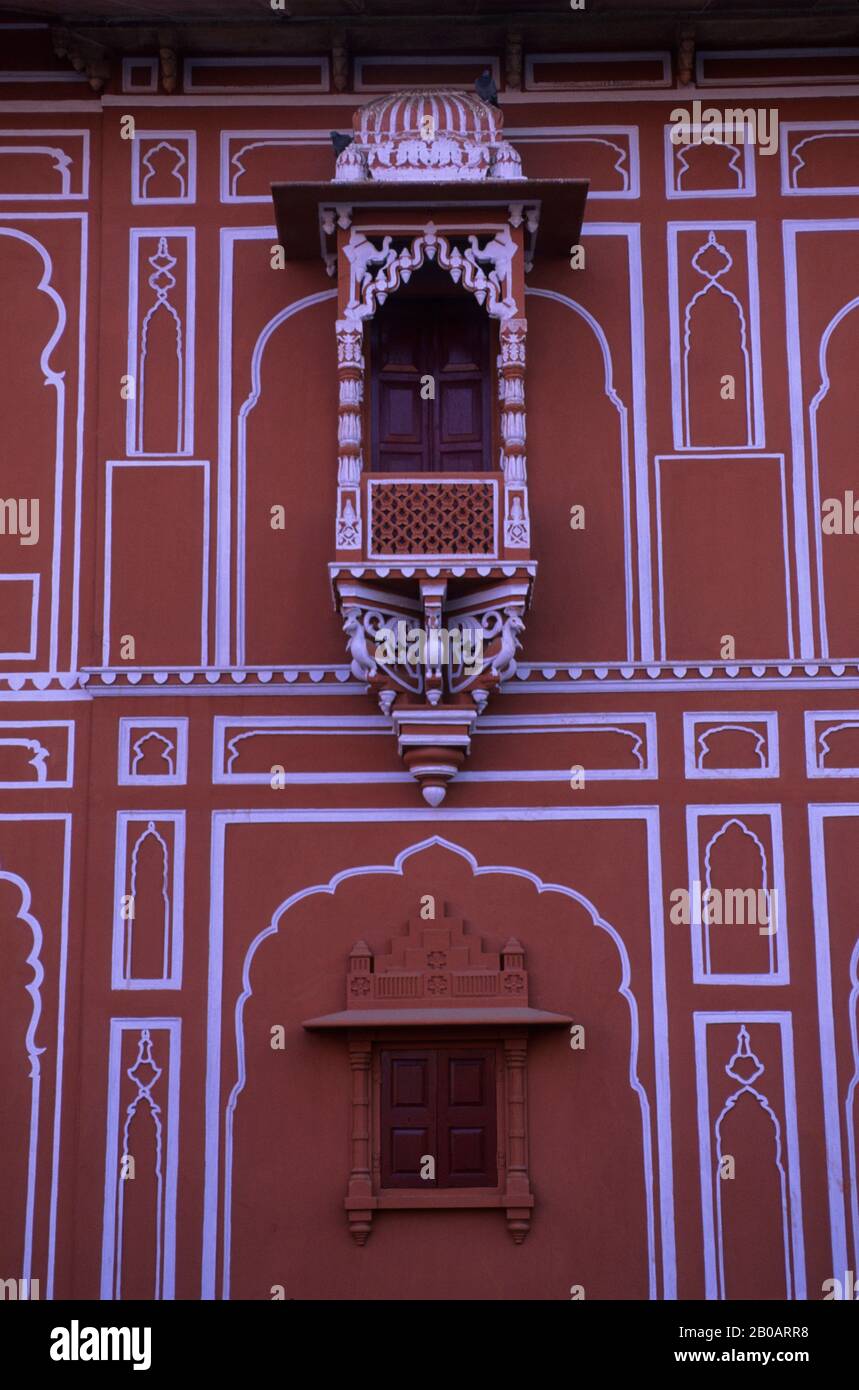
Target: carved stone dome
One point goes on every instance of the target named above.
(428, 135)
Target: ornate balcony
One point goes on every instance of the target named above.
(433, 572)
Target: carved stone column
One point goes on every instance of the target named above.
(359, 1199)
(511, 392)
(350, 370)
(517, 1197)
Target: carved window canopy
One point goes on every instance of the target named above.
(554, 208)
(437, 991)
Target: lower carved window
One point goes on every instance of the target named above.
(437, 1118)
(437, 1035)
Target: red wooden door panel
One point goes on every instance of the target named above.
(438, 1101)
(466, 1118)
(409, 1104)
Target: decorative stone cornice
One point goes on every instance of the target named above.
(227, 680)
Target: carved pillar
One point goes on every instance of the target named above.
(350, 369)
(359, 1199)
(517, 1195)
(686, 56)
(511, 392)
(339, 61)
(513, 61)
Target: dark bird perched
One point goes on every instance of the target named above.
(486, 89)
(340, 142)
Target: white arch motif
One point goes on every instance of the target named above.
(712, 283)
(710, 846)
(746, 1088)
(816, 402)
(245, 410)
(175, 171)
(149, 833)
(33, 1051)
(56, 380)
(437, 841)
(611, 393)
(166, 756)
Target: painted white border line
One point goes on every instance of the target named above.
(728, 719)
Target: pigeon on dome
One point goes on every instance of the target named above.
(340, 142)
(486, 89)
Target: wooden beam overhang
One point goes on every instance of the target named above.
(299, 207)
(436, 1018)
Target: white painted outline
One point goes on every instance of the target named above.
(757, 55)
(121, 888)
(754, 395)
(156, 463)
(727, 457)
(814, 737)
(818, 814)
(746, 189)
(195, 65)
(131, 87)
(370, 724)
(62, 981)
(58, 593)
(779, 941)
(230, 173)
(529, 83)
(12, 78)
(425, 61)
(173, 1029)
(27, 726)
(134, 405)
(125, 774)
(83, 160)
(795, 1257)
(800, 420)
(35, 580)
(728, 719)
(433, 819)
(156, 138)
(824, 130)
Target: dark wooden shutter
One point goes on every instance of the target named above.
(461, 415)
(467, 1129)
(401, 423)
(408, 1116)
(439, 1101)
(446, 339)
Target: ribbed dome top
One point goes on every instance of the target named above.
(402, 115)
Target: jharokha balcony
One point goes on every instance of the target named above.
(430, 228)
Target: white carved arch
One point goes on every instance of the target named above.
(367, 289)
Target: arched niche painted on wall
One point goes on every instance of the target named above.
(580, 452)
(34, 390)
(286, 447)
(833, 419)
(591, 1125)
